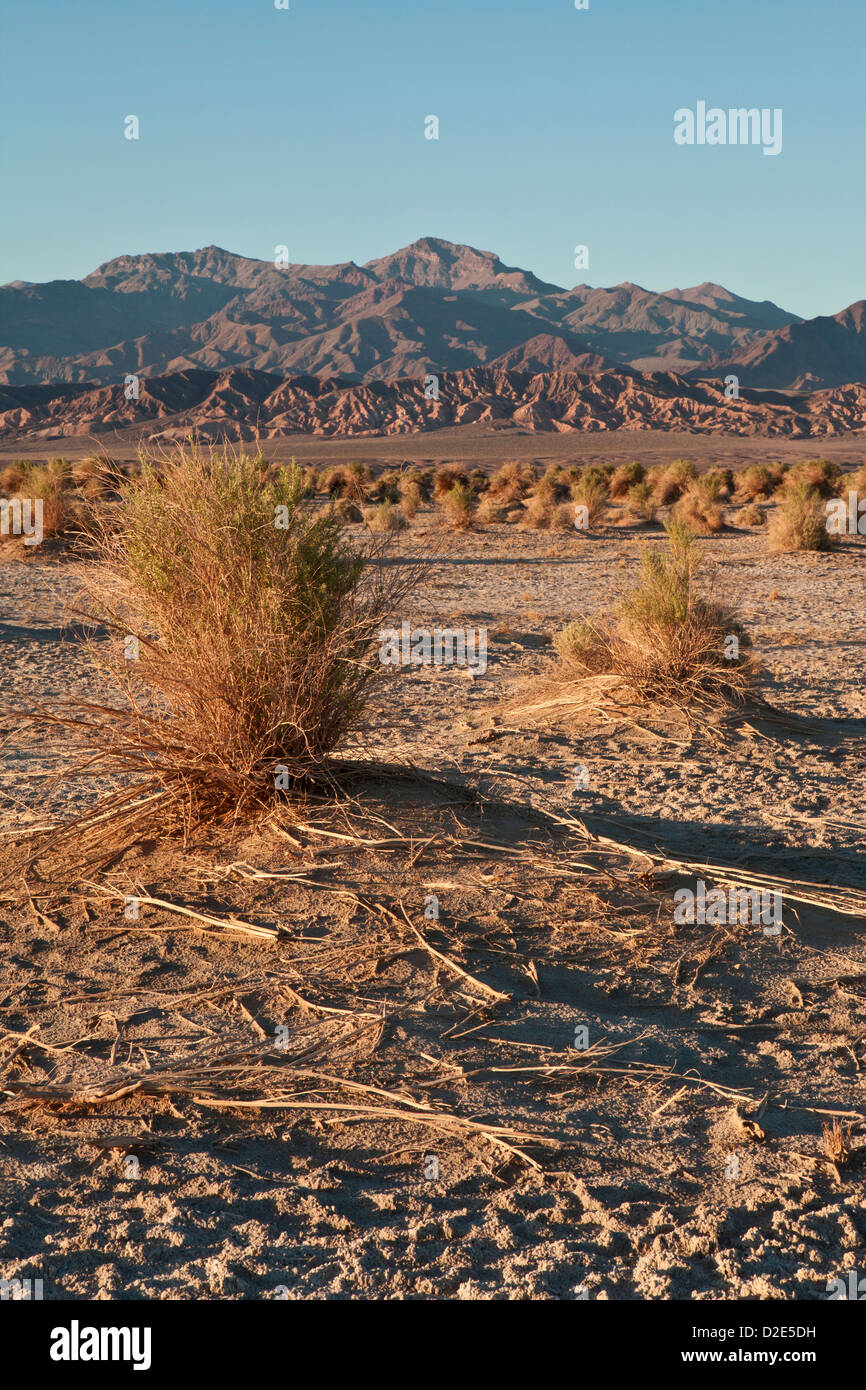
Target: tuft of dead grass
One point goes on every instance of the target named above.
(411, 497)
(12, 476)
(349, 480)
(243, 642)
(836, 1142)
(670, 483)
(448, 477)
(491, 510)
(626, 477)
(640, 502)
(800, 523)
(538, 513)
(821, 475)
(590, 492)
(386, 518)
(459, 507)
(667, 642)
(511, 482)
(752, 515)
(698, 509)
(562, 517)
(758, 480)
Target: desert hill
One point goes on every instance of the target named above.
(242, 404)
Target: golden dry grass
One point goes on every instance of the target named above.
(800, 522)
(698, 510)
(244, 639)
(668, 642)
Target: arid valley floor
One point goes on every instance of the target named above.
(361, 1102)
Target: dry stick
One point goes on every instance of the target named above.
(250, 872)
(639, 1070)
(41, 918)
(294, 997)
(179, 996)
(224, 924)
(494, 994)
(820, 896)
(410, 841)
(403, 1107)
(448, 1124)
(491, 993)
(27, 1040)
(251, 1019)
(671, 1100)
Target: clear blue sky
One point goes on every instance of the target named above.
(305, 127)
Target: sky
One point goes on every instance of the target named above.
(305, 127)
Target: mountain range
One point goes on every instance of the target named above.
(434, 306)
(243, 404)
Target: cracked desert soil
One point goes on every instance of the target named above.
(681, 1157)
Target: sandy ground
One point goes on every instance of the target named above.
(680, 1157)
(481, 444)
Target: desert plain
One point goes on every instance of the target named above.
(282, 1078)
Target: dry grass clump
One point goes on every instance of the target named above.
(562, 517)
(256, 627)
(583, 646)
(97, 475)
(836, 1142)
(331, 481)
(386, 518)
(349, 480)
(309, 481)
(698, 510)
(595, 476)
(510, 483)
(758, 480)
(719, 483)
(416, 488)
(641, 502)
(348, 512)
(752, 515)
(459, 506)
(75, 498)
(447, 477)
(479, 481)
(800, 522)
(590, 492)
(667, 642)
(820, 474)
(491, 510)
(411, 497)
(12, 476)
(386, 487)
(670, 483)
(554, 485)
(51, 484)
(855, 481)
(538, 513)
(626, 477)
